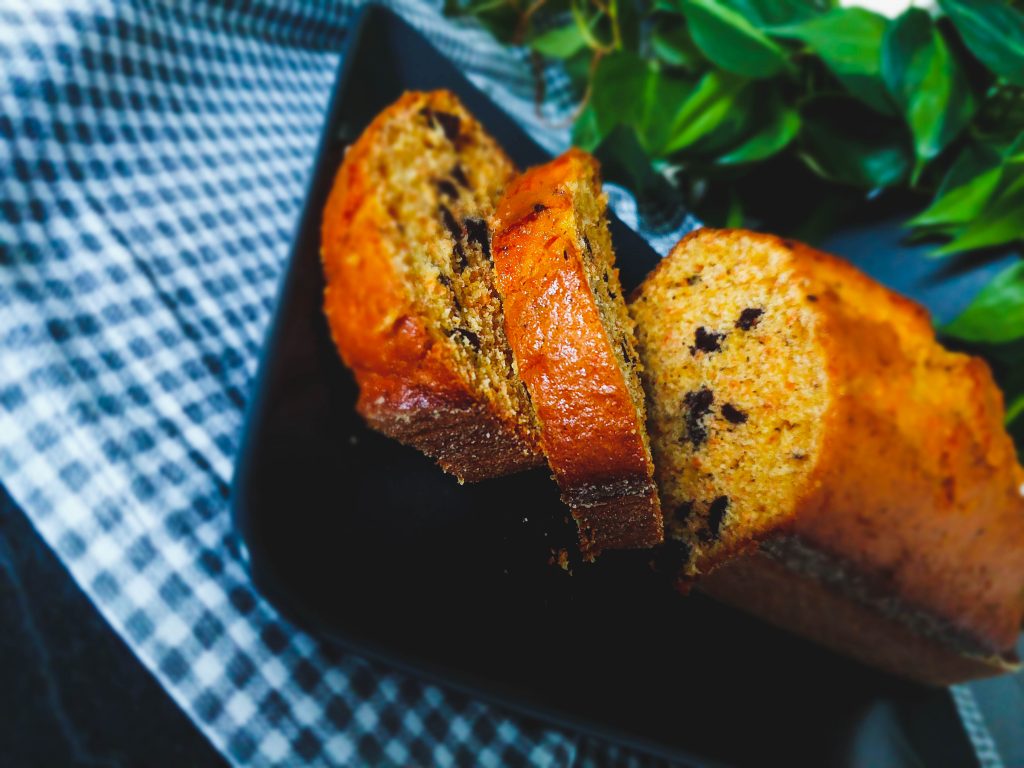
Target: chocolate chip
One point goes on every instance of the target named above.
(682, 513)
(449, 124)
(565, 254)
(460, 175)
(811, 297)
(586, 244)
(450, 223)
(693, 279)
(733, 414)
(477, 232)
(445, 187)
(539, 207)
(700, 401)
(461, 262)
(468, 336)
(716, 514)
(749, 317)
(627, 354)
(445, 281)
(706, 341)
(456, 232)
(698, 406)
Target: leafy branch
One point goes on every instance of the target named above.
(731, 105)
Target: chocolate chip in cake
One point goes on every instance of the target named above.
(811, 297)
(445, 281)
(461, 262)
(539, 207)
(565, 254)
(450, 223)
(716, 515)
(627, 353)
(468, 336)
(693, 279)
(446, 187)
(460, 175)
(733, 415)
(698, 406)
(586, 244)
(449, 123)
(477, 232)
(682, 513)
(706, 341)
(749, 317)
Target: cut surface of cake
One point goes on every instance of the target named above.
(410, 294)
(830, 465)
(572, 337)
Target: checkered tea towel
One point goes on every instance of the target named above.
(153, 159)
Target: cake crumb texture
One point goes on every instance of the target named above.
(410, 294)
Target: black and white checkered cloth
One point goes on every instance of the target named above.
(153, 159)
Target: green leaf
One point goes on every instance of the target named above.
(1001, 221)
(1014, 411)
(618, 89)
(997, 313)
(586, 133)
(843, 142)
(672, 44)
(734, 217)
(559, 42)
(769, 13)
(624, 161)
(927, 82)
(993, 31)
(1015, 152)
(578, 68)
(664, 88)
(731, 42)
(849, 41)
(961, 204)
(771, 139)
(709, 106)
(499, 17)
(973, 160)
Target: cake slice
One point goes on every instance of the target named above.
(827, 462)
(410, 293)
(573, 342)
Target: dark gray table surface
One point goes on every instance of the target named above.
(71, 692)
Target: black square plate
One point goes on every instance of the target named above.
(366, 542)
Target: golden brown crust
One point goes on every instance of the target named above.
(918, 481)
(591, 431)
(409, 385)
(915, 487)
(806, 606)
